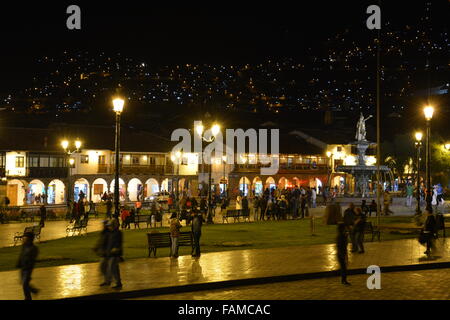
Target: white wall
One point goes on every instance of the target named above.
(10, 167)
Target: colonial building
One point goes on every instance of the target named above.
(33, 164)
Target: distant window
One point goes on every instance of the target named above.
(33, 162)
(339, 149)
(43, 162)
(152, 160)
(135, 160)
(20, 162)
(84, 159)
(101, 160)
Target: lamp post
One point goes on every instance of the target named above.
(118, 104)
(418, 137)
(71, 161)
(176, 160)
(224, 162)
(428, 112)
(215, 129)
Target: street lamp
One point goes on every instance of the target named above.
(215, 129)
(428, 112)
(418, 135)
(65, 145)
(176, 160)
(118, 104)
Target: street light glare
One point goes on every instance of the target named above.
(428, 111)
(199, 129)
(418, 136)
(118, 105)
(215, 129)
(78, 144)
(447, 146)
(178, 154)
(65, 144)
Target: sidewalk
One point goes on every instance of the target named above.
(144, 277)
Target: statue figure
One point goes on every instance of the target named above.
(361, 128)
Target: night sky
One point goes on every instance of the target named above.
(180, 33)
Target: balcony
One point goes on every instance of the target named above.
(47, 172)
(136, 169)
(283, 167)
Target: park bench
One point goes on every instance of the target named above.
(36, 230)
(141, 218)
(163, 240)
(370, 229)
(77, 227)
(28, 215)
(236, 214)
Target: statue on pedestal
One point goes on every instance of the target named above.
(361, 128)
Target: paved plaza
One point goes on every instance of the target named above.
(406, 285)
(156, 273)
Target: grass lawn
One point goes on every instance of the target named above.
(218, 237)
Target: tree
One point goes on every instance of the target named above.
(398, 154)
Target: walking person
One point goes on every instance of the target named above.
(342, 256)
(26, 262)
(255, 205)
(239, 204)
(372, 208)
(409, 194)
(387, 203)
(114, 252)
(303, 205)
(43, 214)
(100, 249)
(313, 197)
(349, 222)
(429, 232)
(109, 206)
(263, 205)
(358, 230)
(175, 227)
(196, 229)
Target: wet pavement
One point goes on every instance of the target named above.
(140, 274)
(52, 230)
(405, 285)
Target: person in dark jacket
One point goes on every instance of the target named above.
(43, 214)
(196, 228)
(349, 222)
(100, 250)
(109, 206)
(245, 207)
(358, 230)
(341, 246)
(26, 262)
(430, 231)
(113, 252)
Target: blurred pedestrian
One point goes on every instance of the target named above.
(100, 249)
(341, 249)
(349, 222)
(26, 262)
(109, 206)
(114, 252)
(43, 214)
(358, 230)
(175, 227)
(429, 231)
(196, 229)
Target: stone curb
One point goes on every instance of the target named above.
(250, 281)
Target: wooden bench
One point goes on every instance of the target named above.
(36, 230)
(163, 240)
(28, 215)
(236, 214)
(77, 227)
(370, 229)
(140, 219)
